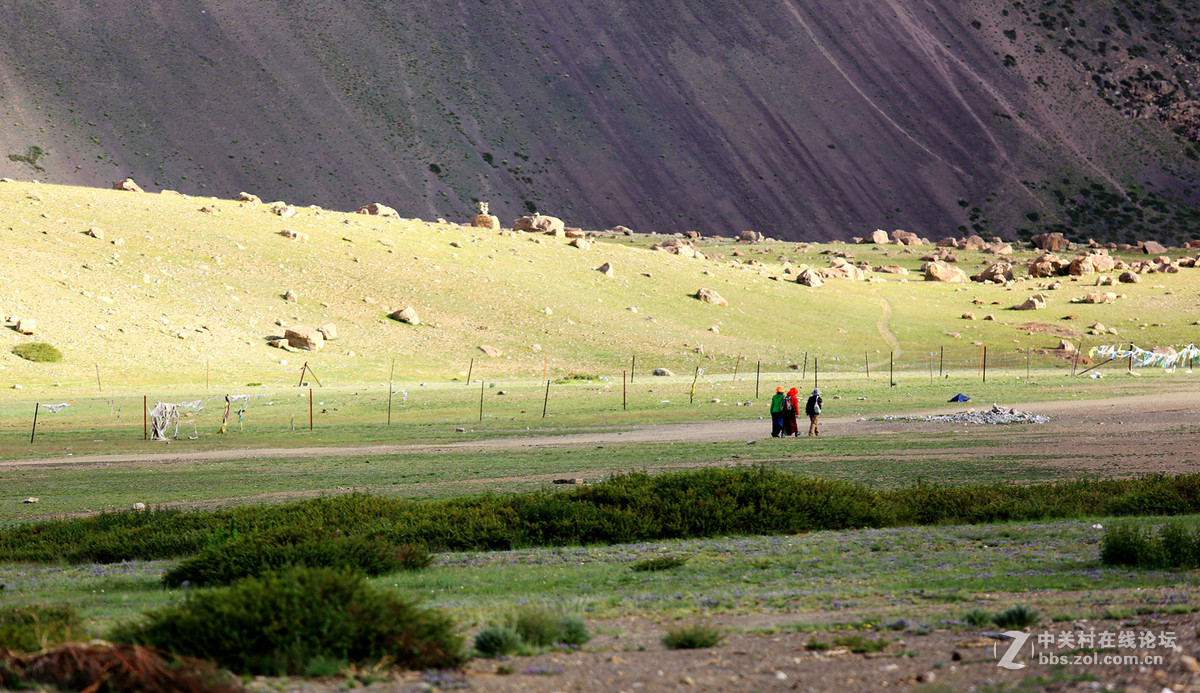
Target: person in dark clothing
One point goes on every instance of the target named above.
(791, 404)
(777, 413)
(813, 409)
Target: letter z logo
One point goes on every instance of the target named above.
(1019, 639)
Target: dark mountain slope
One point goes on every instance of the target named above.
(801, 120)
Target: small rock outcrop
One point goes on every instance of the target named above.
(710, 296)
(940, 271)
(810, 277)
(1034, 302)
(1052, 242)
(606, 269)
(128, 185)
(406, 315)
(378, 210)
(540, 223)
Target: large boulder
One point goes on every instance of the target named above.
(304, 338)
(939, 271)
(905, 237)
(999, 249)
(973, 242)
(247, 197)
(878, 237)
(1052, 242)
(127, 185)
(486, 221)
(1128, 277)
(540, 223)
(378, 210)
(26, 325)
(750, 237)
(406, 315)
(839, 268)
(1098, 297)
(998, 272)
(810, 277)
(1034, 302)
(891, 269)
(1092, 262)
(710, 296)
(1047, 265)
(1152, 247)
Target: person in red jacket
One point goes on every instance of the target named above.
(791, 404)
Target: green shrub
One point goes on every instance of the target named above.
(297, 622)
(38, 352)
(659, 563)
(255, 555)
(1016, 616)
(542, 627)
(693, 636)
(980, 618)
(859, 645)
(495, 641)
(816, 645)
(624, 508)
(1171, 547)
(37, 626)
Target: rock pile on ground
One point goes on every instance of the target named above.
(995, 415)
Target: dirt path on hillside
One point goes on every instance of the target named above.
(1157, 427)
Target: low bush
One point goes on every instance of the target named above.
(497, 641)
(38, 352)
(112, 669)
(980, 618)
(658, 563)
(1016, 616)
(543, 627)
(622, 509)
(859, 645)
(694, 636)
(1172, 546)
(38, 626)
(255, 555)
(302, 621)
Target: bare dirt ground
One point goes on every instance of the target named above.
(629, 656)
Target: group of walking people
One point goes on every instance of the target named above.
(784, 408)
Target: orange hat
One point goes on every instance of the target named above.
(779, 389)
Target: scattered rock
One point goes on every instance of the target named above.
(26, 325)
(540, 223)
(968, 316)
(750, 237)
(294, 235)
(1034, 302)
(1098, 297)
(210, 209)
(810, 277)
(662, 372)
(486, 221)
(30, 499)
(378, 210)
(580, 243)
(995, 415)
(329, 332)
(1152, 247)
(247, 197)
(1128, 277)
(710, 296)
(290, 296)
(939, 271)
(606, 269)
(281, 209)
(139, 507)
(127, 185)
(491, 351)
(1053, 242)
(998, 272)
(304, 338)
(406, 315)
(905, 238)
(95, 232)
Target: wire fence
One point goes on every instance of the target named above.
(301, 400)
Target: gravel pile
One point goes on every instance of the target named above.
(995, 415)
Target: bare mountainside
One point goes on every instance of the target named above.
(811, 120)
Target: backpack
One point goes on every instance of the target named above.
(787, 404)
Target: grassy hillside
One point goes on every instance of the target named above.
(800, 120)
(164, 291)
